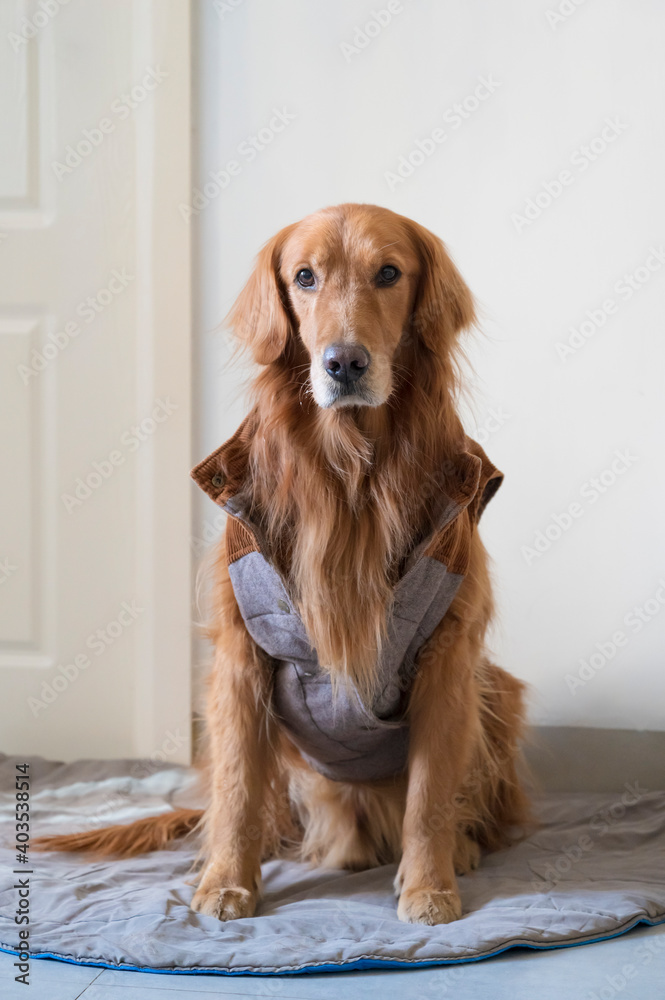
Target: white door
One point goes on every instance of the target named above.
(95, 379)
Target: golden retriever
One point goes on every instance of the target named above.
(351, 470)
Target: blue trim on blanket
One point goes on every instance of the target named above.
(357, 966)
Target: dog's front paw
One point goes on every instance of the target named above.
(429, 906)
(224, 902)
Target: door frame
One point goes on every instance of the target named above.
(164, 558)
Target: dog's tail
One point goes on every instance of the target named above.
(126, 841)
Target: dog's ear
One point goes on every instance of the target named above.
(443, 304)
(260, 316)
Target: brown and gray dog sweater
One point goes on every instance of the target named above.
(341, 737)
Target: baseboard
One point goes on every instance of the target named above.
(577, 759)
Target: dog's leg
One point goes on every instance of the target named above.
(240, 757)
(444, 722)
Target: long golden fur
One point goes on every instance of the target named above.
(341, 488)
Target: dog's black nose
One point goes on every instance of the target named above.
(345, 362)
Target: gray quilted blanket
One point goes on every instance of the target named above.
(594, 869)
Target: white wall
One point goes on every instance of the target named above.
(560, 421)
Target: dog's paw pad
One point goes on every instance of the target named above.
(429, 906)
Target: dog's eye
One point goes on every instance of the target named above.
(305, 278)
(388, 275)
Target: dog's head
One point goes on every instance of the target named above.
(353, 285)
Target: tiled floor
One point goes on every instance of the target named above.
(631, 967)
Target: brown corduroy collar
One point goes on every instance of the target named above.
(468, 481)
